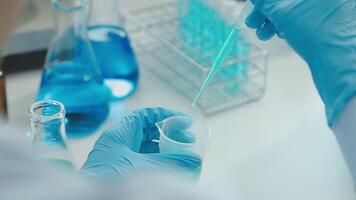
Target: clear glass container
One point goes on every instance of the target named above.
(182, 133)
(71, 74)
(112, 48)
(49, 140)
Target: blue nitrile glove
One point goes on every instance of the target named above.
(323, 32)
(128, 148)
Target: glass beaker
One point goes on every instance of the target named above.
(112, 48)
(49, 140)
(183, 133)
(71, 74)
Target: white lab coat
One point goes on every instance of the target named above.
(24, 178)
(345, 133)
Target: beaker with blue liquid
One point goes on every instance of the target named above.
(112, 48)
(71, 74)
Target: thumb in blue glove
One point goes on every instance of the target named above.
(129, 148)
(323, 33)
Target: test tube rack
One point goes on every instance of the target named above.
(156, 36)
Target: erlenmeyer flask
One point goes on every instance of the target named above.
(112, 48)
(49, 140)
(71, 74)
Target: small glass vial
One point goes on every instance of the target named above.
(49, 140)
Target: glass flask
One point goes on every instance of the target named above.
(112, 48)
(71, 74)
(49, 140)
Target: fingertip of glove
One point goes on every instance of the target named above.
(263, 38)
(249, 23)
(266, 31)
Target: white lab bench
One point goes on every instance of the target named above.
(277, 148)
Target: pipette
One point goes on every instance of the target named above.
(235, 32)
(218, 61)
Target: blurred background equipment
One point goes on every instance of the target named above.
(3, 100)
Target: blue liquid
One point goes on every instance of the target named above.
(116, 59)
(86, 99)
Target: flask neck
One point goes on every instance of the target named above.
(105, 12)
(47, 124)
(69, 16)
(49, 140)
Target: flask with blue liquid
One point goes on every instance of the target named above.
(71, 74)
(112, 48)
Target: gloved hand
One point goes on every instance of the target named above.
(323, 32)
(129, 148)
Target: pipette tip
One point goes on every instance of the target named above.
(194, 104)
